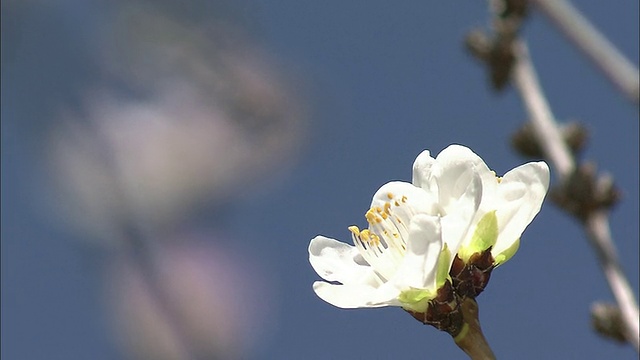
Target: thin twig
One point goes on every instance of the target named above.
(620, 71)
(544, 124)
(597, 227)
(597, 223)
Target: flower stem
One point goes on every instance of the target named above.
(471, 340)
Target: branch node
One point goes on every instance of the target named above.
(606, 320)
(526, 143)
(584, 193)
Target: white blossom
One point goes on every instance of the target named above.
(454, 205)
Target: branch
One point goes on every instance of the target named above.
(471, 340)
(597, 227)
(596, 222)
(620, 71)
(545, 128)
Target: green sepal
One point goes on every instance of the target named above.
(444, 265)
(507, 253)
(416, 299)
(485, 236)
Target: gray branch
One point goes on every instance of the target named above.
(620, 71)
(597, 222)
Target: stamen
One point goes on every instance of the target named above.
(354, 230)
(372, 217)
(387, 206)
(383, 245)
(498, 178)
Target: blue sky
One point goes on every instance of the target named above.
(382, 81)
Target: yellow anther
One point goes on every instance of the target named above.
(365, 235)
(385, 216)
(390, 196)
(354, 230)
(372, 217)
(369, 214)
(387, 206)
(404, 199)
(375, 239)
(396, 203)
(498, 178)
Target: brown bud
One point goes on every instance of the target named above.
(525, 142)
(511, 8)
(575, 135)
(583, 192)
(470, 279)
(501, 61)
(478, 44)
(443, 312)
(606, 319)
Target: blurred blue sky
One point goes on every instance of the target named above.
(383, 81)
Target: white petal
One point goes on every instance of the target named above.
(336, 261)
(520, 195)
(356, 296)
(461, 214)
(418, 269)
(422, 175)
(456, 169)
(415, 198)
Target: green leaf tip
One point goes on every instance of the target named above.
(485, 236)
(416, 299)
(444, 264)
(507, 253)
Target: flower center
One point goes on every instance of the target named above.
(384, 243)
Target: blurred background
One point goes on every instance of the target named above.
(165, 164)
